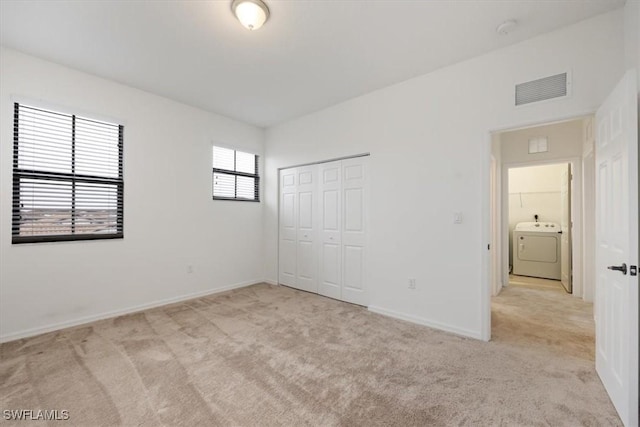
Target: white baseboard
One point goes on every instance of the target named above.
(115, 313)
(425, 322)
(270, 282)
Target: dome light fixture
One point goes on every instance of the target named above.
(252, 14)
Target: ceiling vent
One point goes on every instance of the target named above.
(551, 87)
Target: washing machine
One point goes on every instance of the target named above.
(536, 250)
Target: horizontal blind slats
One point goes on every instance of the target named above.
(238, 179)
(67, 177)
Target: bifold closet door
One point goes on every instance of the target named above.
(354, 230)
(288, 227)
(323, 228)
(307, 258)
(330, 196)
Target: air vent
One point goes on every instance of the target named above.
(542, 89)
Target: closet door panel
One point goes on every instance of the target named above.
(354, 268)
(287, 262)
(306, 233)
(330, 274)
(306, 260)
(305, 211)
(354, 229)
(331, 211)
(287, 224)
(353, 210)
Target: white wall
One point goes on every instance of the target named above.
(170, 220)
(429, 143)
(632, 35)
(532, 179)
(534, 190)
(564, 142)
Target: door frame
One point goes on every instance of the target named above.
(576, 218)
(486, 216)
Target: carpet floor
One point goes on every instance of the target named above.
(269, 355)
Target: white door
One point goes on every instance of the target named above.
(565, 227)
(589, 222)
(354, 229)
(306, 266)
(330, 269)
(616, 300)
(496, 285)
(288, 233)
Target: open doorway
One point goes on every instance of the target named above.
(607, 242)
(542, 177)
(539, 221)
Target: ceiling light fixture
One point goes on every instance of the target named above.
(252, 14)
(506, 27)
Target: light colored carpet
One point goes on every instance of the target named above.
(267, 355)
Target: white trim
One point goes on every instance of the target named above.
(426, 322)
(538, 123)
(235, 147)
(115, 313)
(588, 239)
(323, 161)
(271, 282)
(485, 281)
(277, 227)
(485, 234)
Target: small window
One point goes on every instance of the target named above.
(67, 177)
(235, 175)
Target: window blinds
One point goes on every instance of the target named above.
(67, 177)
(235, 175)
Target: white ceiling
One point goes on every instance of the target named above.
(309, 55)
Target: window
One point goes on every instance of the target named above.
(67, 177)
(235, 175)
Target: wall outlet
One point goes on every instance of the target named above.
(412, 283)
(457, 217)
(189, 269)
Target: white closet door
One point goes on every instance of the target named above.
(288, 228)
(330, 268)
(354, 228)
(307, 255)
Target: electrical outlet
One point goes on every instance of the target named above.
(412, 283)
(457, 217)
(189, 269)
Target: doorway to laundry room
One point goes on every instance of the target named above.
(603, 151)
(542, 195)
(539, 217)
(542, 217)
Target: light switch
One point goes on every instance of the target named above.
(457, 217)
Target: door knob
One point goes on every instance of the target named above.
(622, 268)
